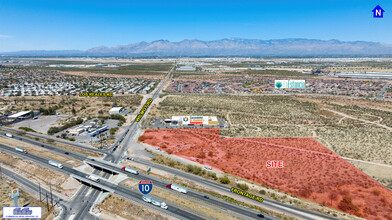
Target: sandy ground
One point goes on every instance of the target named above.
(310, 170)
(114, 207)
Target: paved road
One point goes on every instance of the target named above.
(380, 94)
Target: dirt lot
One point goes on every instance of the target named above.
(114, 207)
(310, 171)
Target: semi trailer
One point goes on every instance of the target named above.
(21, 150)
(56, 164)
(130, 170)
(9, 135)
(154, 201)
(177, 188)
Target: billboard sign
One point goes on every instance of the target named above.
(290, 84)
(197, 120)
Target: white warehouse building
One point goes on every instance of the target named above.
(116, 110)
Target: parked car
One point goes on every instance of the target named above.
(206, 197)
(260, 215)
(66, 153)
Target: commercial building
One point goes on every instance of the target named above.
(116, 110)
(194, 120)
(21, 114)
(76, 130)
(186, 68)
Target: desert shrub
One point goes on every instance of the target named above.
(27, 129)
(112, 131)
(53, 130)
(50, 141)
(201, 155)
(212, 175)
(347, 205)
(171, 163)
(224, 180)
(262, 192)
(305, 193)
(242, 186)
(376, 192)
(210, 154)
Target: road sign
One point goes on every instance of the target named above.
(14, 193)
(145, 187)
(378, 12)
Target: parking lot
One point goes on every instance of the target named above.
(42, 123)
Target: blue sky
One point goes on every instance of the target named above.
(57, 24)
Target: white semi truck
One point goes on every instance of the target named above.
(56, 164)
(21, 150)
(9, 135)
(154, 201)
(177, 188)
(130, 170)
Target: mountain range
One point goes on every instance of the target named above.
(227, 47)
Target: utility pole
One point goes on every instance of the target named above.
(47, 202)
(51, 196)
(39, 187)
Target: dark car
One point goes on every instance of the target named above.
(260, 215)
(66, 153)
(92, 160)
(206, 197)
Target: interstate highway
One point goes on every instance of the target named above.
(123, 191)
(191, 193)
